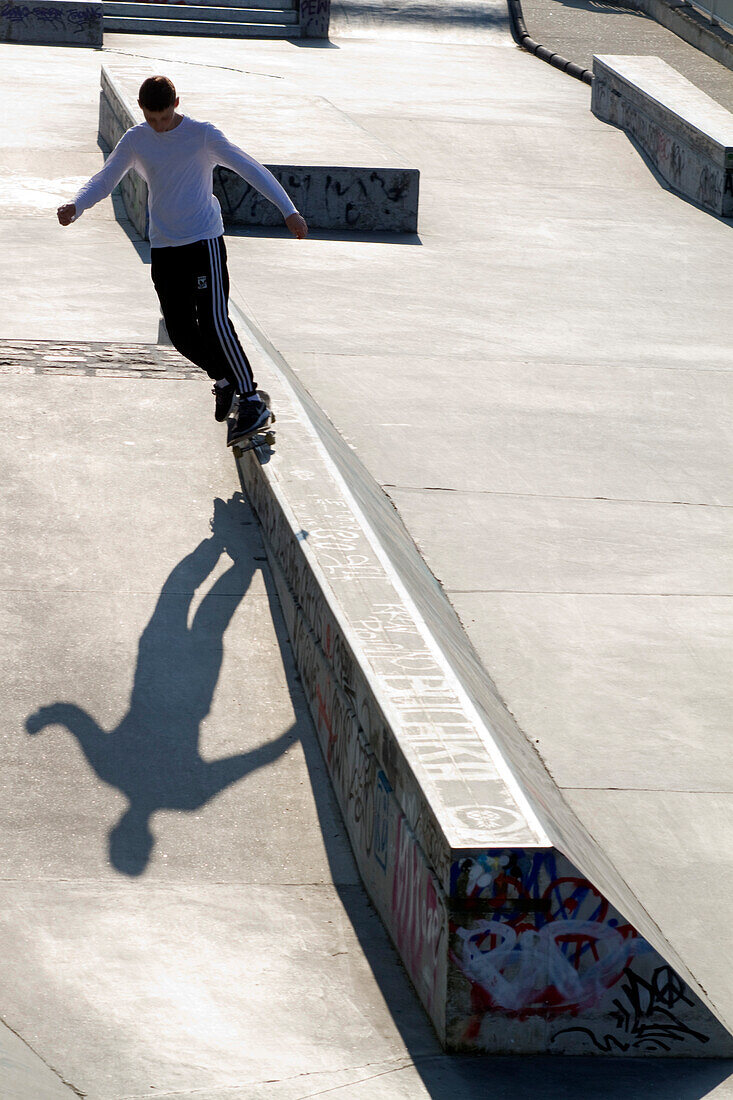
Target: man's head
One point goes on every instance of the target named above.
(158, 102)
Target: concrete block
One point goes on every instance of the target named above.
(687, 135)
(511, 947)
(380, 198)
(329, 197)
(115, 118)
(315, 16)
(52, 22)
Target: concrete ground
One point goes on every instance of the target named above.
(561, 322)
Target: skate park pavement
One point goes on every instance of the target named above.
(546, 371)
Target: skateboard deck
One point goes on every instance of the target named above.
(260, 437)
(252, 442)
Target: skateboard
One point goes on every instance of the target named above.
(261, 437)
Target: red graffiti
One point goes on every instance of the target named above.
(324, 722)
(418, 918)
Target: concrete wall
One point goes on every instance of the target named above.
(687, 135)
(510, 947)
(51, 22)
(329, 197)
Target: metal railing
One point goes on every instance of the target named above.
(719, 11)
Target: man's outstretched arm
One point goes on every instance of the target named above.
(120, 160)
(223, 152)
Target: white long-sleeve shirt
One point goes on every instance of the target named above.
(178, 167)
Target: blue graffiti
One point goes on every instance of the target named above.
(82, 19)
(15, 13)
(85, 18)
(49, 15)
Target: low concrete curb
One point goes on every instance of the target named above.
(377, 199)
(51, 22)
(686, 134)
(454, 823)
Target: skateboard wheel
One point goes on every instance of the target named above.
(269, 438)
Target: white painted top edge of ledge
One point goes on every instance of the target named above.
(305, 461)
(673, 92)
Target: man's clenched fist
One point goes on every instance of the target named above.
(297, 226)
(66, 213)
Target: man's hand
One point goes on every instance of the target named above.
(66, 213)
(297, 226)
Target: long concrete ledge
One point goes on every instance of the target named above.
(52, 22)
(687, 135)
(517, 933)
(381, 198)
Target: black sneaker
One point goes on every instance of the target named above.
(226, 397)
(251, 418)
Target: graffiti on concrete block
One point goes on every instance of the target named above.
(710, 188)
(53, 16)
(315, 16)
(535, 940)
(676, 163)
(84, 18)
(339, 554)
(418, 918)
(81, 19)
(330, 198)
(550, 944)
(502, 821)
(381, 820)
(564, 966)
(646, 1015)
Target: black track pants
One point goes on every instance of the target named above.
(192, 283)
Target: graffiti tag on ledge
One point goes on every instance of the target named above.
(646, 1018)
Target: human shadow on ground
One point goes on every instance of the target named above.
(152, 756)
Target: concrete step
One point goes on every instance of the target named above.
(209, 28)
(202, 13)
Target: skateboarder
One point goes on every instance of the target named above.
(176, 156)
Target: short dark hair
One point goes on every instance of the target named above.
(157, 93)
